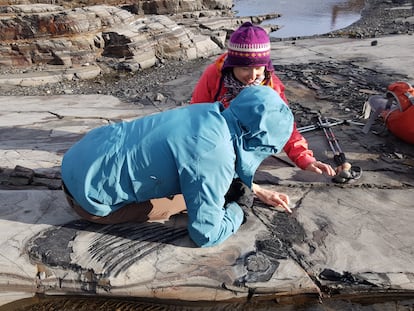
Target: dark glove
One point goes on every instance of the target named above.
(241, 194)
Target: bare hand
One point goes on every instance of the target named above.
(321, 168)
(272, 198)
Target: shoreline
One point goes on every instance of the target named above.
(378, 18)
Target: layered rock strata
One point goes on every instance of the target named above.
(50, 35)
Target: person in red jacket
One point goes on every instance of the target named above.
(247, 62)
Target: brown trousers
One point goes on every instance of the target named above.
(155, 209)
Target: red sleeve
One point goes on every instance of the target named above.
(297, 147)
(207, 85)
(279, 87)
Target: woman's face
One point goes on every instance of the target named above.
(247, 75)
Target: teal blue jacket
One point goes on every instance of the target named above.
(195, 150)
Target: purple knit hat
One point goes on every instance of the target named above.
(249, 46)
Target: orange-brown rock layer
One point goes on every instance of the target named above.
(127, 34)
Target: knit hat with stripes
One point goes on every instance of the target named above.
(249, 46)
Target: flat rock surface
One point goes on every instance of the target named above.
(341, 238)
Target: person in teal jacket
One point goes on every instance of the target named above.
(196, 151)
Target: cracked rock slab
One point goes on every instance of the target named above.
(46, 244)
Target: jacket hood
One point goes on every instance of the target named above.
(260, 123)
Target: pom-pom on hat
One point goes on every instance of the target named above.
(248, 46)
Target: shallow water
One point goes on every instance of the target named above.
(303, 18)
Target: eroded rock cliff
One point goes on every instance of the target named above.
(85, 38)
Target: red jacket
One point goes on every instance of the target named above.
(210, 89)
